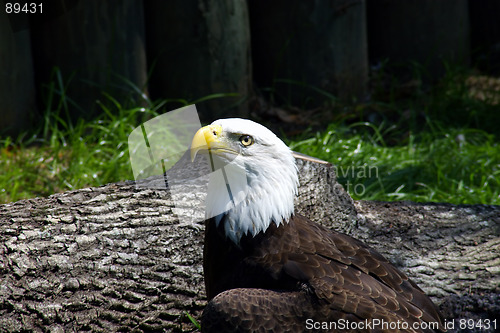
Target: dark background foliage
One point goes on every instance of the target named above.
(291, 52)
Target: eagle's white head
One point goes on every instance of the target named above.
(259, 173)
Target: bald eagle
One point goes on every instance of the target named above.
(267, 268)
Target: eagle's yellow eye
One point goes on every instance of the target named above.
(246, 140)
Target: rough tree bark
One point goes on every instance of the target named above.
(115, 257)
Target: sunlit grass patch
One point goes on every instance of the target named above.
(69, 157)
(437, 164)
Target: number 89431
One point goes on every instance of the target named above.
(26, 8)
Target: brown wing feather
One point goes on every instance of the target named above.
(303, 270)
(368, 273)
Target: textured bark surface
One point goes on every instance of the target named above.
(117, 258)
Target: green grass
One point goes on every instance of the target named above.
(193, 321)
(435, 145)
(460, 166)
(64, 156)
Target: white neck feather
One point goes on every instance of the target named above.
(262, 193)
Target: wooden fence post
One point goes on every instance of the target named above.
(17, 88)
(426, 31)
(199, 48)
(98, 46)
(317, 44)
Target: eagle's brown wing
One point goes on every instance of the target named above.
(305, 271)
(333, 262)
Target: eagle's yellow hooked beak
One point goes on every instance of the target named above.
(206, 138)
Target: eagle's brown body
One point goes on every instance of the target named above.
(301, 270)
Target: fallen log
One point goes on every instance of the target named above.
(119, 258)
